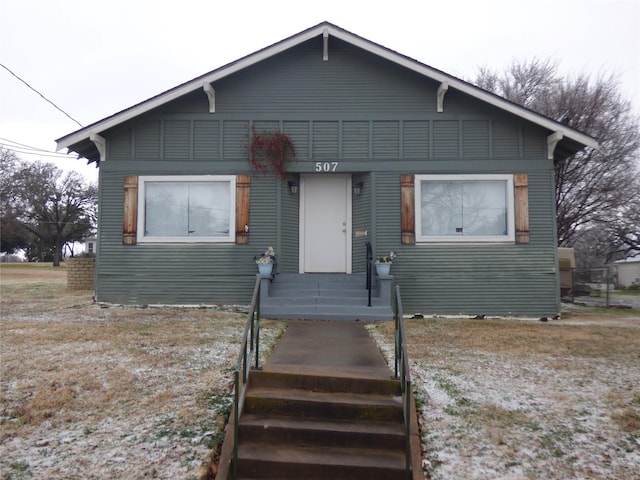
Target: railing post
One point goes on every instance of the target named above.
(257, 366)
(369, 255)
(236, 420)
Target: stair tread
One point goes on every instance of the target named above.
(369, 427)
(355, 457)
(358, 379)
(326, 397)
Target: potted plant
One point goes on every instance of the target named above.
(265, 261)
(383, 263)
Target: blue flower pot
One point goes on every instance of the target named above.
(383, 268)
(265, 268)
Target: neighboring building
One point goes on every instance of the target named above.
(628, 272)
(91, 245)
(457, 181)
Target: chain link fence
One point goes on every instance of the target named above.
(587, 285)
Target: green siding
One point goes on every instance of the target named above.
(299, 134)
(378, 122)
(446, 138)
(177, 139)
(475, 138)
(415, 139)
(325, 140)
(386, 141)
(206, 139)
(147, 140)
(235, 139)
(355, 139)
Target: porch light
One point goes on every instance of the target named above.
(357, 188)
(293, 187)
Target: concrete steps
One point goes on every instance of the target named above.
(325, 297)
(321, 426)
(311, 462)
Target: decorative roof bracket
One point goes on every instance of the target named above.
(442, 89)
(325, 45)
(211, 94)
(552, 141)
(101, 145)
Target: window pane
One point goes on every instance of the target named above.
(441, 208)
(187, 209)
(484, 208)
(166, 208)
(469, 208)
(209, 209)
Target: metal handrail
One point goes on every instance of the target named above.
(369, 269)
(403, 374)
(250, 346)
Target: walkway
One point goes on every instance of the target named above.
(332, 348)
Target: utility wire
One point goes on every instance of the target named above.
(24, 145)
(43, 153)
(45, 98)
(23, 148)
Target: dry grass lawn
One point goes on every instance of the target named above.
(91, 392)
(523, 399)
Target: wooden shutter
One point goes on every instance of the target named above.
(521, 186)
(130, 219)
(407, 209)
(243, 187)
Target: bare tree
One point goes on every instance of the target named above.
(594, 188)
(47, 206)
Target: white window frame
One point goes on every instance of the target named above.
(511, 234)
(142, 180)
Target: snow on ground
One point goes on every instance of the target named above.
(491, 415)
(91, 392)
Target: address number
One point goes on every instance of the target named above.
(326, 166)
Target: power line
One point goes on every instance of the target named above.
(41, 153)
(25, 145)
(45, 98)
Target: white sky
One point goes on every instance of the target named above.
(93, 58)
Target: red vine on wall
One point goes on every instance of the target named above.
(270, 151)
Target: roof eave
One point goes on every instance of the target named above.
(83, 134)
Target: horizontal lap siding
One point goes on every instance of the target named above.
(379, 122)
(361, 222)
(288, 248)
(206, 139)
(473, 279)
(179, 274)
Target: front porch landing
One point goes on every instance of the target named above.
(325, 296)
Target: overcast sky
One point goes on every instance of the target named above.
(93, 58)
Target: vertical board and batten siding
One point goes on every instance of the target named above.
(379, 122)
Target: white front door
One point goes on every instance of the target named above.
(325, 224)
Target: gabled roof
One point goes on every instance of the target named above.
(82, 141)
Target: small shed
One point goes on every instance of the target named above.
(628, 271)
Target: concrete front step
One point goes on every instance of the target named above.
(324, 383)
(279, 430)
(323, 297)
(318, 405)
(326, 312)
(259, 460)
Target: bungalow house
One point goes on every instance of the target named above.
(388, 151)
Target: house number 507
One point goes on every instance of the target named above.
(326, 166)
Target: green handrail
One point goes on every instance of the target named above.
(249, 347)
(403, 374)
